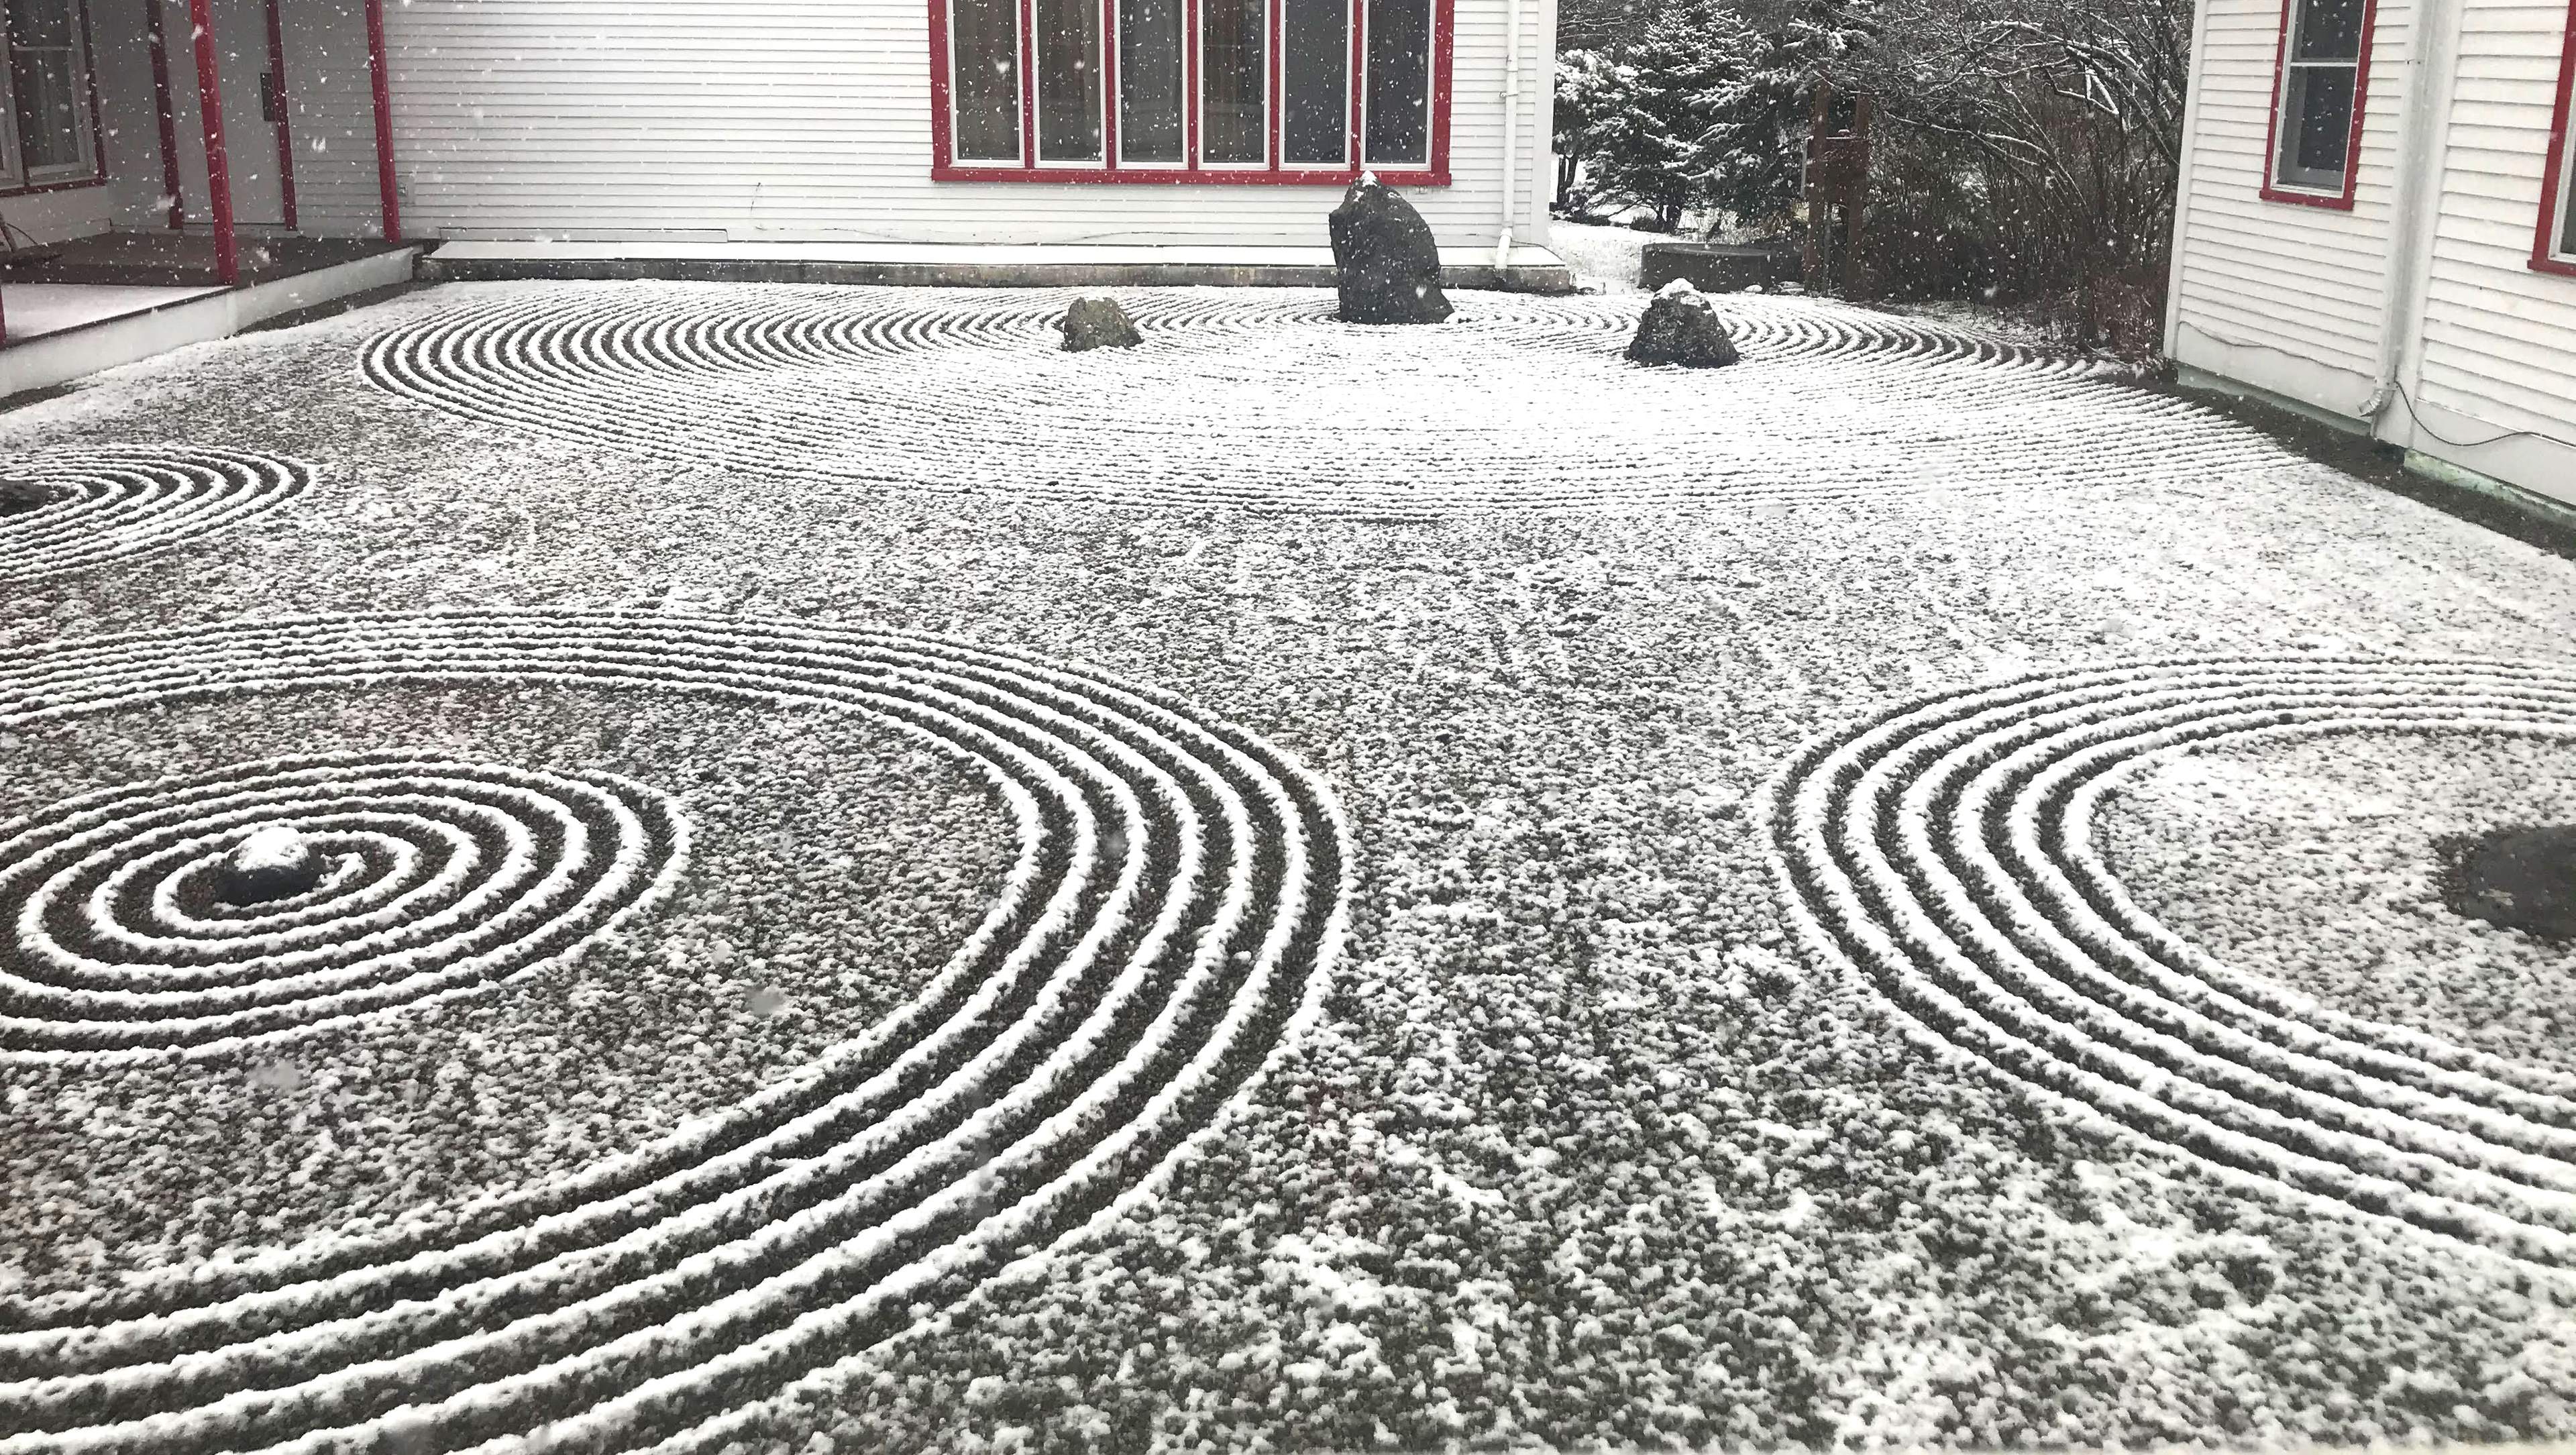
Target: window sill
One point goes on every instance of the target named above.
(2565, 267)
(2332, 201)
(32, 188)
(1180, 177)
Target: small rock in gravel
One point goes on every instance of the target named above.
(2521, 878)
(276, 1076)
(274, 863)
(1680, 327)
(1098, 323)
(19, 495)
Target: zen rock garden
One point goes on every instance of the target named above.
(797, 869)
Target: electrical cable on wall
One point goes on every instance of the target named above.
(2400, 391)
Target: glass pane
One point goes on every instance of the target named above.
(49, 109)
(2329, 30)
(1231, 112)
(2316, 122)
(2567, 213)
(1068, 52)
(984, 60)
(1399, 81)
(1149, 80)
(41, 23)
(1315, 52)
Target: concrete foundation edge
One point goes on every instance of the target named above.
(435, 269)
(59, 358)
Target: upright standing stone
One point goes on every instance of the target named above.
(1681, 327)
(1389, 262)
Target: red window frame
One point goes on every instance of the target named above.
(2545, 257)
(2273, 191)
(944, 166)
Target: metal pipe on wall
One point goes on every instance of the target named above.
(1511, 132)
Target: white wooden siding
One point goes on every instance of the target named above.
(2499, 337)
(2284, 296)
(780, 120)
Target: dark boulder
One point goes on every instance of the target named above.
(2520, 878)
(270, 865)
(1098, 323)
(1682, 327)
(1389, 262)
(18, 495)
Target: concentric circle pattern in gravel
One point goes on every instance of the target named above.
(115, 503)
(1262, 399)
(1948, 851)
(2326, 865)
(439, 876)
(1174, 913)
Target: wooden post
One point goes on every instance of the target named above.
(210, 107)
(157, 41)
(385, 182)
(1819, 211)
(285, 131)
(1856, 201)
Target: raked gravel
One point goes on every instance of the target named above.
(1588, 1136)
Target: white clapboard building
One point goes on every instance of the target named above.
(2377, 224)
(932, 138)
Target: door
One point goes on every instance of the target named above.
(250, 109)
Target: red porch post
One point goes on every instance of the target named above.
(384, 119)
(165, 111)
(210, 109)
(285, 131)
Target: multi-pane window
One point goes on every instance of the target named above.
(1299, 88)
(49, 137)
(2321, 93)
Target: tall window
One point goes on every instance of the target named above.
(2554, 251)
(50, 139)
(1163, 90)
(2317, 115)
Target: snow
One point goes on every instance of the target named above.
(274, 847)
(1605, 259)
(1314, 888)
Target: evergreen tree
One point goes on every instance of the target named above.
(1755, 148)
(1648, 138)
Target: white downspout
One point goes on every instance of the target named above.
(2422, 169)
(2184, 174)
(1511, 132)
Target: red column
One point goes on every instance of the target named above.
(384, 119)
(210, 109)
(166, 111)
(285, 132)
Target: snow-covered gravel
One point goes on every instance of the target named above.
(1621, 966)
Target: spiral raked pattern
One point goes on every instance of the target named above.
(109, 504)
(1945, 851)
(439, 877)
(1261, 399)
(1176, 903)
